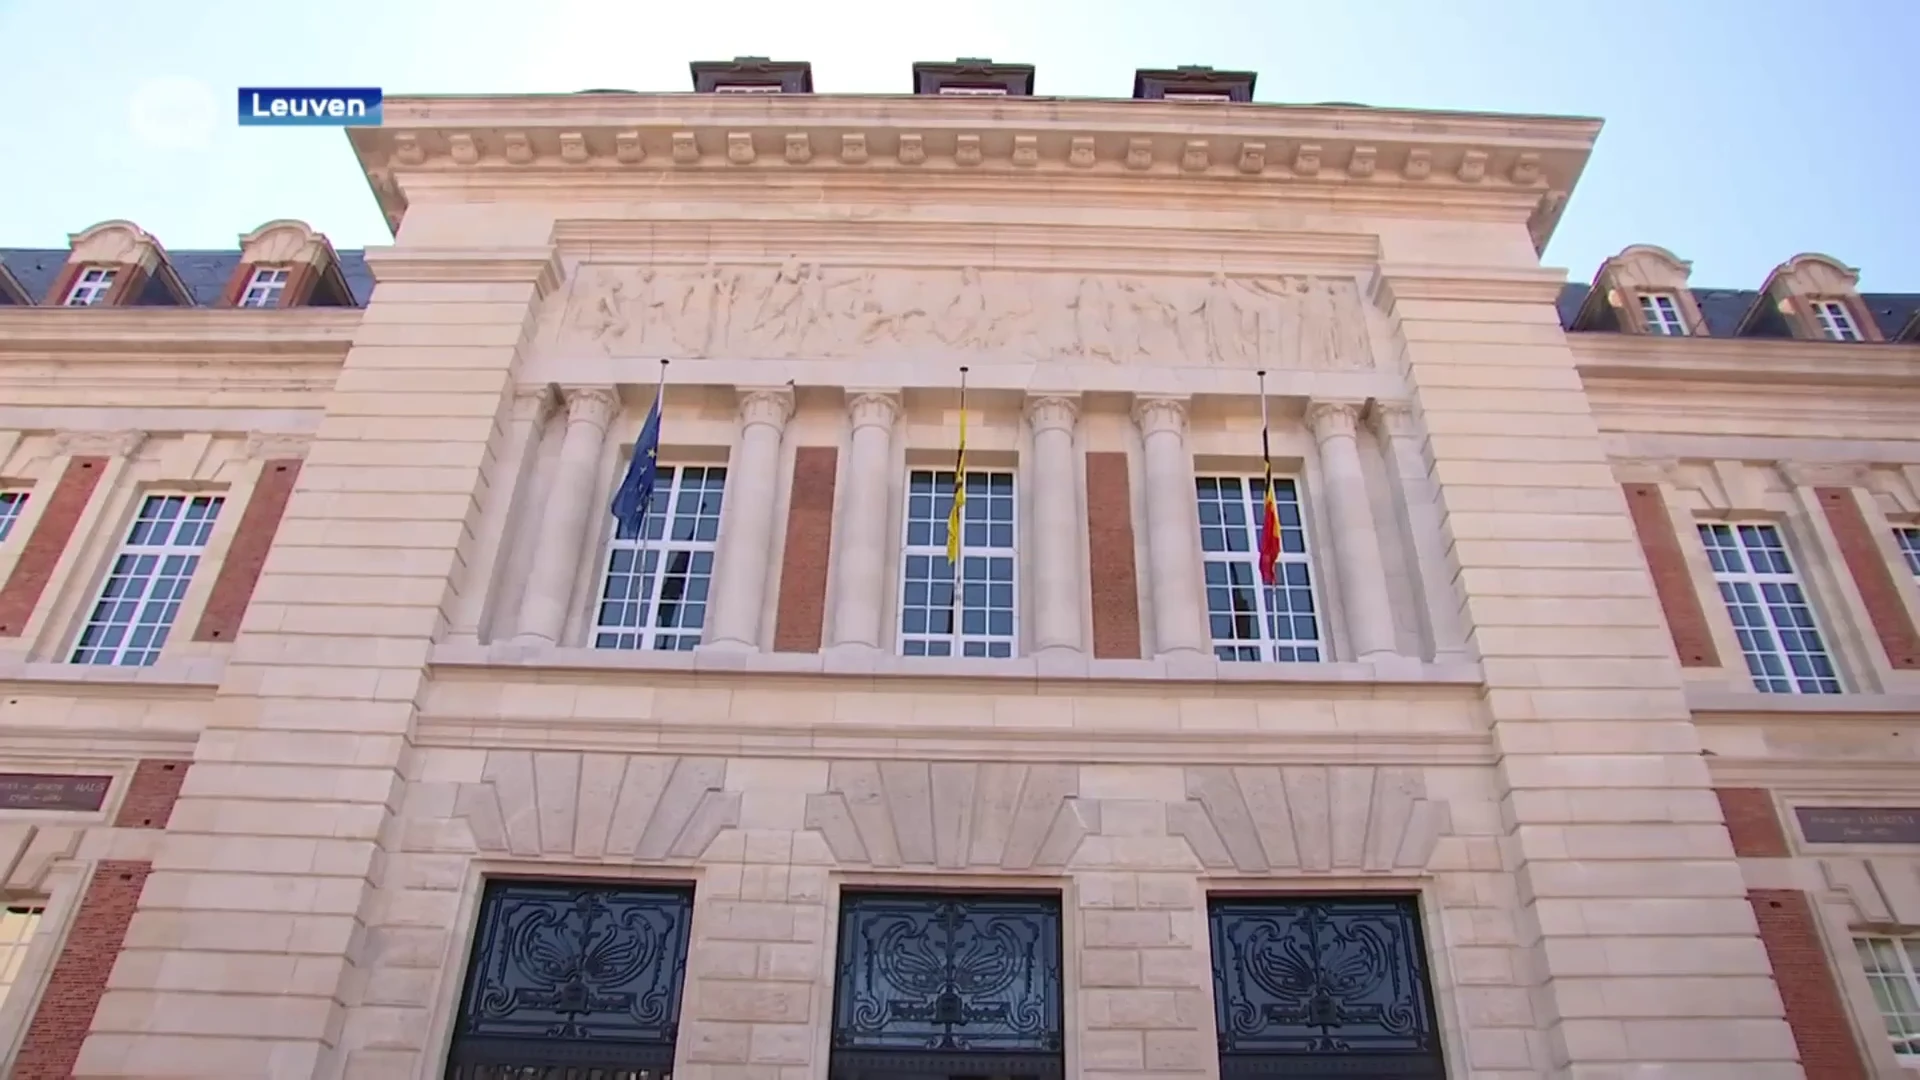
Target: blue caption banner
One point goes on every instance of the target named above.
(310, 106)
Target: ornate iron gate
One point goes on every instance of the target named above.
(1323, 986)
(944, 986)
(573, 981)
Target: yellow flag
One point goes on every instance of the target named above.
(956, 515)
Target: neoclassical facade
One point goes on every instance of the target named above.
(344, 734)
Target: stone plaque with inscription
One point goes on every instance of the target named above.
(1859, 824)
(47, 791)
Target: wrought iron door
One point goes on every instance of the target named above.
(945, 986)
(1310, 987)
(573, 981)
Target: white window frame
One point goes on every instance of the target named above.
(973, 91)
(91, 287)
(1661, 312)
(747, 88)
(1836, 322)
(1902, 1025)
(20, 922)
(1759, 601)
(923, 536)
(13, 503)
(139, 599)
(1194, 95)
(264, 290)
(1241, 574)
(682, 532)
(1907, 539)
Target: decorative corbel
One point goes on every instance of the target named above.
(913, 150)
(1360, 165)
(686, 148)
(464, 150)
(1419, 164)
(799, 148)
(1139, 153)
(1080, 152)
(1026, 150)
(122, 444)
(853, 148)
(1526, 170)
(1253, 158)
(1196, 156)
(573, 148)
(1306, 160)
(740, 147)
(519, 148)
(1473, 167)
(967, 151)
(407, 149)
(627, 148)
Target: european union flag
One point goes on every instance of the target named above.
(636, 489)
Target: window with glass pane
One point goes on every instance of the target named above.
(141, 597)
(12, 503)
(1661, 311)
(982, 623)
(1907, 538)
(1771, 614)
(1835, 321)
(265, 289)
(90, 288)
(1249, 620)
(637, 609)
(1893, 970)
(18, 923)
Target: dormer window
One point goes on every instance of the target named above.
(752, 75)
(973, 76)
(1192, 83)
(265, 288)
(90, 288)
(1194, 95)
(1661, 313)
(1835, 321)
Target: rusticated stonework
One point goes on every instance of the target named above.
(808, 310)
(1313, 819)
(952, 815)
(597, 805)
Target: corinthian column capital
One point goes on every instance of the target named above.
(1332, 419)
(772, 406)
(1157, 414)
(1393, 419)
(1052, 412)
(874, 408)
(591, 405)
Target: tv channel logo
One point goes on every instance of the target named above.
(313, 106)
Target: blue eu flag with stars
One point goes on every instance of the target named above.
(636, 489)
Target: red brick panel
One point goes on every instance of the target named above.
(151, 794)
(1892, 622)
(1752, 822)
(1116, 589)
(237, 283)
(62, 284)
(79, 976)
(801, 619)
(247, 555)
(301, 278)
(127, 286)
(1672, 580)
(1815, 1010)
(21, 594)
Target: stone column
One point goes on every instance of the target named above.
(864, 536)
(1173, 541)
(1420, 502)
(556, 552)
(1363, 574)
(1058, 588)
(480, 593)
(745, 550)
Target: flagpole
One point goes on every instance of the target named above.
(646, 511)
(1266, 464)
(957, 525)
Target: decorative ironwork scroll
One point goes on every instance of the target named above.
(1321, 987)
(573, 981)
(947, 985)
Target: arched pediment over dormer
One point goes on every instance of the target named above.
(1645, 254)
(125, 254)
(116, 241)
(1643, 290)
(1811, 294)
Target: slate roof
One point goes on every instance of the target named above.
(204, 273)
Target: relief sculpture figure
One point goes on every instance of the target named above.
(802, 309)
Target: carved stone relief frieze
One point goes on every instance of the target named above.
(807, 310)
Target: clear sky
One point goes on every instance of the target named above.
(1739, 132)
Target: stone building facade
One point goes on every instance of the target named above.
(343, 735)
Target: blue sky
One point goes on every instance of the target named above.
(1739, 132)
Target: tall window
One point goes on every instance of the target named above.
(1892, 965)
(1908, 538)
(1661, 312)
(1835, 321)
(982, 623)
(572, 979)
(1322, 986)
(1247, 619)
(18, 923)
(90, 287)
(12, 503)
(265, 288)
(940, 986)
(1771, 614)
(149, 577)
(654, 592)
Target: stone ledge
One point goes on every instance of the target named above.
(187, 676)
(1714, 703)
(1062, 671)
